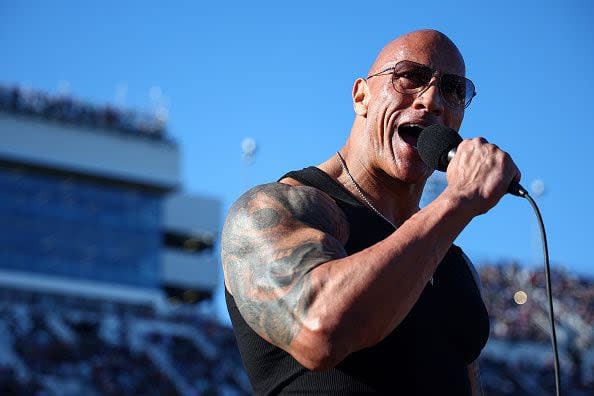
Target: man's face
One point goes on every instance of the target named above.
(389, 112)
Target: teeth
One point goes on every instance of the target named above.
(411, 128)
(410, 133)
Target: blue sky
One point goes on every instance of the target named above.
(282, 75)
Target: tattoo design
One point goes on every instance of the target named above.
(274, 237)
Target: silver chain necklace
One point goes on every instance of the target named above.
(363, 197)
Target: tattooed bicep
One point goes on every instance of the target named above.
(274, 236)
(277, 221)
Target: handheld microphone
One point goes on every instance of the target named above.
(437, 146)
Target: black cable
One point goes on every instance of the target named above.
(549, 292)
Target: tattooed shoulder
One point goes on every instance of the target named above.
(263, 207)
(274, 237)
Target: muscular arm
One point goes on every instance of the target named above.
(285, 265)
(274, 237)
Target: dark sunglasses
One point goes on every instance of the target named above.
(409, 77)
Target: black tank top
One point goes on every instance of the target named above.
(426, 354)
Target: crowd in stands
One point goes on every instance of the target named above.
(59, 345)
(521, 363)
(66, 109)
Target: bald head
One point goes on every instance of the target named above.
(428, 47)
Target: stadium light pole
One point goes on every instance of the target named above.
(248, 156)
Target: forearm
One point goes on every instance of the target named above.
(383, 282)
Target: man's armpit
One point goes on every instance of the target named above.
(271, 242)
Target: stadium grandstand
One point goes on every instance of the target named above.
(518, 359)
(106, 266)
(104, 259)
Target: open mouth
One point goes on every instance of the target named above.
(410, 133)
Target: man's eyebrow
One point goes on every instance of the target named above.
(382, 69)
(386, 66)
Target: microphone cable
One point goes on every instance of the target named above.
(543, 234)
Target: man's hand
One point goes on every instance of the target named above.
(480, 174)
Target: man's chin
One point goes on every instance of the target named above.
(412, 172)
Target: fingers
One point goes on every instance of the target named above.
(513, 170)
(482, 172)
(483, 152)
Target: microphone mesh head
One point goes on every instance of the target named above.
(434, 143)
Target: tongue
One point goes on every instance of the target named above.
(410, 135)
(412, 140)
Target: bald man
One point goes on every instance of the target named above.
(336, 282)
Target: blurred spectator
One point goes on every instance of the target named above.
(524, 322)
(63, 343)
(65, 109)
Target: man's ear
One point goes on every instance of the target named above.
(360, 97)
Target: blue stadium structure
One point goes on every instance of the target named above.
(103, 257)
(87, 198)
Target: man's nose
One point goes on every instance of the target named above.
(430, 98)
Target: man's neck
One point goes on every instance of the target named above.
(394, 199)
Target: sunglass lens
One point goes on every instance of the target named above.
(410, 77)
(456, 90)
